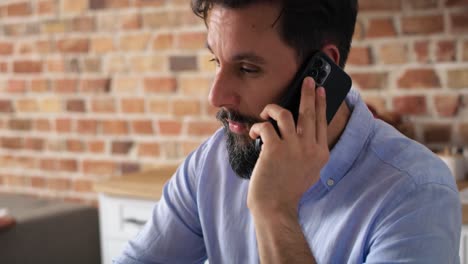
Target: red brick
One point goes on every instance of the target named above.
(3, 67)
(102, 44)
(6, 106)
(133, 105)
(419, 78)
(184, 107)
(359, 56)
(188, 147)
(63, 125)
(76, 105)
(65, 85)
(103, 105)
(55, 65)
(47, 7)
(26, 105)
(410, 105)
(74, 6)
(428, 24)
(11, 142)
(20, 124)
(169, 127)
(182, 63)
(87, 126)
(149, 150)
(134, 42)
(459, 22)
(27, 66)
(393, 53)
(83, 24)
(191, 40)
(458, 78)
(185, 17)
(95, 85)
(19, 9)
(42, 125)
(160, 85)
(149, 3)
(421, 49)
(421, 4)
(16, 86)
(131, 21)
(50, 164)
(142, 127)
(145, 63)
(82, 186)
(446, 50)
(163, 41)
(92, 65)
(436, 133)
(36, 144)
(376, 102)
(58, 184)
(202, 128)
(115, 127)
(379, 5)
(447, 105)
(38, 182)
(381, 27)
(6, 48)
(96, 146)
(159, 106)
(370, 80)
(158, 20)
(99, 167)
(75, 145)
(77, 45)
(359, 30)
(40, 85)
(121, 147)
(108, 4)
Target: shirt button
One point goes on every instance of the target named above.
(330, 182)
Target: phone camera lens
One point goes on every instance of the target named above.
(314, 73)
(318, 63)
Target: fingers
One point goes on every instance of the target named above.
(312, 120)
(264, 130)
(306, 119)
(321, 103)
(283, 118)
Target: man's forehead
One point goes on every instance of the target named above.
(255, 17)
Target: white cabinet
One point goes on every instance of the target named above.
(120, 219)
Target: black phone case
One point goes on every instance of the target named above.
(325, 73)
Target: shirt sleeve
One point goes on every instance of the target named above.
(423, 226)
(173, 234)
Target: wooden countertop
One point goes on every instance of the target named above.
(147, 185)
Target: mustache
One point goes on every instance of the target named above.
(223, 115)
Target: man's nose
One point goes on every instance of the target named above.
(223, 92)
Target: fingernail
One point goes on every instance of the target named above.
(321, 91)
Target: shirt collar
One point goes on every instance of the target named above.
(347, 149)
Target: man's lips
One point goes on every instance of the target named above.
(236, 127)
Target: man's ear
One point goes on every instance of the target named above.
(332, 51)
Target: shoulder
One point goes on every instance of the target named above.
(409, 159)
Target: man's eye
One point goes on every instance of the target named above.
(249, 70)
(215, 61)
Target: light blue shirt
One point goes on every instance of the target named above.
(381, 198)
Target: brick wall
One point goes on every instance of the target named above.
(95, 88)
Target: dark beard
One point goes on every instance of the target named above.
(241, 148)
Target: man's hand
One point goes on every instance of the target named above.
(288, 166)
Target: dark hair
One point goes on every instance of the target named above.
(305, 25)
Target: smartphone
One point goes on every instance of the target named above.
(325, 73)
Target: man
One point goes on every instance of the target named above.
(355, 191)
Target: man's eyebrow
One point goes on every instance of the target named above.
(245, 56)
